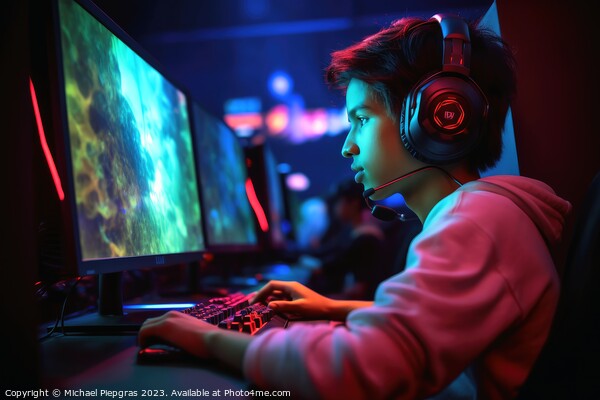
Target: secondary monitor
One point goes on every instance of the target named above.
(229, 221)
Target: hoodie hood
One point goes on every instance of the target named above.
(547, 210)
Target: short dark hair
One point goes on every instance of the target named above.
(393, 60)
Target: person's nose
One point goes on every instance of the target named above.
(349, 148)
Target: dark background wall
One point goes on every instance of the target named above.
(19, 353)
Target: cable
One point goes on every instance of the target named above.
(61, 317)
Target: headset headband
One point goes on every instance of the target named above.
(457, 43)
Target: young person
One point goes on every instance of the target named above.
(468, 316)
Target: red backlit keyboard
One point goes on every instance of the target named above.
(234, 312)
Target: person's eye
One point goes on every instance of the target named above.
(362, 120)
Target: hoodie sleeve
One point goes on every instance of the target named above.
(412, 342)
(462, 295)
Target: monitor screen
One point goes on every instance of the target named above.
(229, 222)
(132, 187)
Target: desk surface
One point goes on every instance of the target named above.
(109, 363)
(97, 362)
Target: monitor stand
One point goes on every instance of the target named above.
(110, 318)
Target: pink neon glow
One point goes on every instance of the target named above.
(258, 210)
(314, 122)
(297, 181)
(44, 143)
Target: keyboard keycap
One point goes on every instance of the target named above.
(233, 312)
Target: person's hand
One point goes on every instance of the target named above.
(294, 299)
(177, 329)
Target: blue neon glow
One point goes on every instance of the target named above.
(167, 306)
(280, 83)
(255, 30)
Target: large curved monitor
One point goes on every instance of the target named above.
(121, 138)
(229, 221)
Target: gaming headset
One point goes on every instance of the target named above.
(443, 116)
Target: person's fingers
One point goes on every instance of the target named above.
(284, 306)
(149, 334)
(160, 318)
(152, 330)
(271, 288)
(261, 294)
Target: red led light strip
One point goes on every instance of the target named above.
(44, 143)
(258, 210)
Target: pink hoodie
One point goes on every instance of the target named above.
(476, 301)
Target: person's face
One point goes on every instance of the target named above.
(373, 142)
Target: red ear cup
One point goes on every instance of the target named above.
(443, 118)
